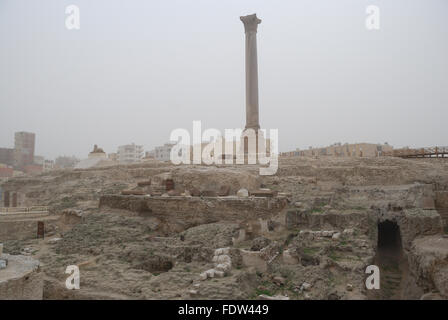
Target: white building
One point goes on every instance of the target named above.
(39, 160)
(48, 165)
(130, 153)
(162, 153)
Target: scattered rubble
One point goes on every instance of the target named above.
(223, 265)
(306, 233)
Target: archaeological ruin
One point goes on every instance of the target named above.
(155, 230)
(225, 232)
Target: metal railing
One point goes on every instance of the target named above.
(431, 152)
(16, 210)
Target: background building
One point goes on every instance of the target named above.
(7, 156)
(344, 150)
(39, 160)
(130, 153)
(24, 149)
(96, 158)
(162, 153)
(32, 169)
(63, 162)
(48, 165)
(112, 156)
(5, 172)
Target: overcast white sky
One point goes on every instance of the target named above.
(136, 70)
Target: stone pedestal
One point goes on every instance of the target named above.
(252, 145)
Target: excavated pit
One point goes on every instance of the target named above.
(392, 262)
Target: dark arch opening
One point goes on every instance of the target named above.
(389, 237)
(391, 261)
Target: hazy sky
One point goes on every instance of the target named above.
(136, 70)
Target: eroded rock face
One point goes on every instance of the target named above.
(156, 247)
(259, 243)
(412, 223)
(156, 264)
(428, 259)
(186, 212)
(210, 180)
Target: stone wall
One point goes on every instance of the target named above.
(428, 262)
(191, 211)
(442, 199)
(296, 218)
(21, 280)
(22, 227)
(441, 204)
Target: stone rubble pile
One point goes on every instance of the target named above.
(326, 233)
(223, 265)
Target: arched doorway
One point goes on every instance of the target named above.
(390, 260)
(389, 237)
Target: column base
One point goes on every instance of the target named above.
(253, 146)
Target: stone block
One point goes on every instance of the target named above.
(263, 193)
(224, 191)
(242, 193)
(428, 203)
(225, 267)
(223, 259)
(336, 236)
(221, 251)
(144, 183)
(219, 274)
(208, 193)
(305, 286)
(276, 297)
(133, 192)
(210, 273)
(288, 258)
(195, 192)
(172, 193)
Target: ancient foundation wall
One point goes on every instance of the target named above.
(441, 205)
(192, 211)
(296, 218)
(442, 199)
(20, 227)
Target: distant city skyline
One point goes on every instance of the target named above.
(137, 70)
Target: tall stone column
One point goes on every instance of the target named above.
(251, 23)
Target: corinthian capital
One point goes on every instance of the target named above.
(251, 22)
